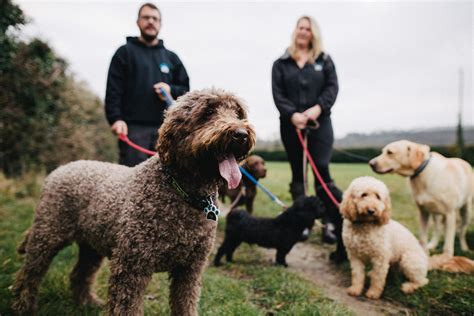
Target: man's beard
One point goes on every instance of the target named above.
(148, 38)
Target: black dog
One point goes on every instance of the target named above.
(282, 232)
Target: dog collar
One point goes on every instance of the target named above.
(421, 168)
(204, 203)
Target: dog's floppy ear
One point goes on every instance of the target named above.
(418, 153)
(387, 212)
(347, 208)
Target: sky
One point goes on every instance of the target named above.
(398, 62)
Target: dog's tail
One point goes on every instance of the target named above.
(22, 247)
(455, 264)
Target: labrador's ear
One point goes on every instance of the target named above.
(418, 153)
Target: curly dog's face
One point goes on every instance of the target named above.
(366, 200)
(206, 133)
(256, 166)
(402, 157)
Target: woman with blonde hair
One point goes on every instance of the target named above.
(305, 87)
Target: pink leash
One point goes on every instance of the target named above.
(316, 172)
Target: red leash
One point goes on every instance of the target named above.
(316, 172)
(125, 139)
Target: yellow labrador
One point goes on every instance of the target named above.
(440, 186)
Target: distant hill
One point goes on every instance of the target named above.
(440, 136)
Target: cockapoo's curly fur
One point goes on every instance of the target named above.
(134, 216)
(371, 237)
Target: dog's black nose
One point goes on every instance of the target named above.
(370, 211)
(240, 135)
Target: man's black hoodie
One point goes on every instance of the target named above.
(133, 71)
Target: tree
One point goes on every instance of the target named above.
(47, 118)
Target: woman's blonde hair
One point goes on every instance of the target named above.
(315, 45)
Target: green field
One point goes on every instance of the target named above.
(251, 286)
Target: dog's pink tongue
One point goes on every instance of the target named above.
(229, 170)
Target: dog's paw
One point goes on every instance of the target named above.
(354, 290)
(373, 293)
(281, 264)
(409, 287)
(431, 245)
(464, 246)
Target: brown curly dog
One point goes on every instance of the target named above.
(155, 217)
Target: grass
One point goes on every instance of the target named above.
(252, 286)
(446, 294)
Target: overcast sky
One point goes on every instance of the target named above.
(398, 62)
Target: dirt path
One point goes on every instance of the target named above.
(313, 264)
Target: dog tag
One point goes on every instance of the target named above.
(212, 212)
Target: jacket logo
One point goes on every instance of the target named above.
(164, 68)
(318, 67)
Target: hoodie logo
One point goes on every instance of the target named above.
(164, 68)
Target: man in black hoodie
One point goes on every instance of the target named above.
(139, 71)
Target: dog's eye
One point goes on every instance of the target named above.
(389, 152)
(377, 195)
(209, 112)
(364, 195)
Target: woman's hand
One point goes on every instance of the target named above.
(299, 120)
(313, 112)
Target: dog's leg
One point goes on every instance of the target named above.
(41, 248)
(450, 234)
(83, 276)
(220, 252)
(227, 248)
(185, 289)
(281, 256)
(230, 250)
(424, 220)
(465, 219)
(378, 276)
(249, 205)
(438, 226)
(415, 271)
(127, 285)
(358, 276)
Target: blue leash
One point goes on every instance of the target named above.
(168, 99)
(270, 194)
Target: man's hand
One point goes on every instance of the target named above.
(120, 127)
(313, 112)
(165, 87)
(299, 120)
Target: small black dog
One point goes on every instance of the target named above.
(282, 232)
